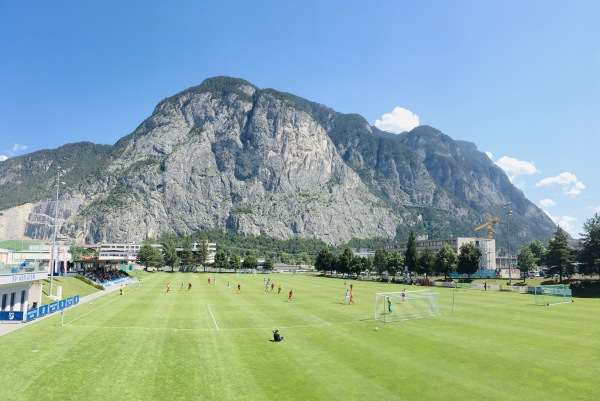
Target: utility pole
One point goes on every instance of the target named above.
(508, 245)
(53, 250)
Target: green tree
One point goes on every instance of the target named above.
(221, 261)
(445, 260)
(235, 262)
(170, 255)
(78, 251)
(558, 256)
(589, 255)
(469, 259)
(202, 252)
(368, 264)
(286, 258)
(324, 260)
(526, 260)
(268, 265)
(539, 251)
(380, 260)
(305, 259)
(187, 256)
(426, 263)
(395, 262)
(410, 256)
(250, 262)
(357, 265)
(149, 256)
(344, 261)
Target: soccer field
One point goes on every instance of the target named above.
(211, 343)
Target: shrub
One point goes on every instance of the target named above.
(88, 281)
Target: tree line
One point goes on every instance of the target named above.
(236, 252)
(425, 263)
(558, 258)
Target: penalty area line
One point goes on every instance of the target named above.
(93, 310)
(321, 320)
(213, 317)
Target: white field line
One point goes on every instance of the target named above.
(207, 329)
(213, 317)
(321, 320)
(93, 310)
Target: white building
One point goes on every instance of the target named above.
(35, 255)
(126, 253)
(362, 252)
(487, 246)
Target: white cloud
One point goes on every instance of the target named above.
(399, 120)
(519, 184)
(490, 155)
(514, 167)
(568, 181)
(18, 148)
(547, 203)
(566, 223)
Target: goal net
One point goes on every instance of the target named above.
(553, 294)
(406, 305)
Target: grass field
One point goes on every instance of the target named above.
(70, 287)
(212, 343)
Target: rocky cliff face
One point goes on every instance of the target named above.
(227, 154)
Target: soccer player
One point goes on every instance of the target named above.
(346, 297)
(276, 336)
(272, 286)
(279, 288)
(121, 289)
(389, 306)
(403, 295)
(209, 281)
(291, 294)
(228, 286)
(351, 298)
(182, 285)
(168, 287)
(189, 286)
(239, 288)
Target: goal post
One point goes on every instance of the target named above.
(406, 305)
(553, 294)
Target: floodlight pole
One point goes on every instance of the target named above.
(509, 257)
(53, 251)
(509, 212)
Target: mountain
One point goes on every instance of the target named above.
(226, 154)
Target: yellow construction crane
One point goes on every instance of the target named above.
(489, 223)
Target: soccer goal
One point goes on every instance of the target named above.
(394, 306)
(553, 294)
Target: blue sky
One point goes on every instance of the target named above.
(520, 79)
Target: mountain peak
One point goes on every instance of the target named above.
(226, 154)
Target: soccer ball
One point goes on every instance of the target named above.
(376, 328)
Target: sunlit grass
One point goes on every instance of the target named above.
(214, 343)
